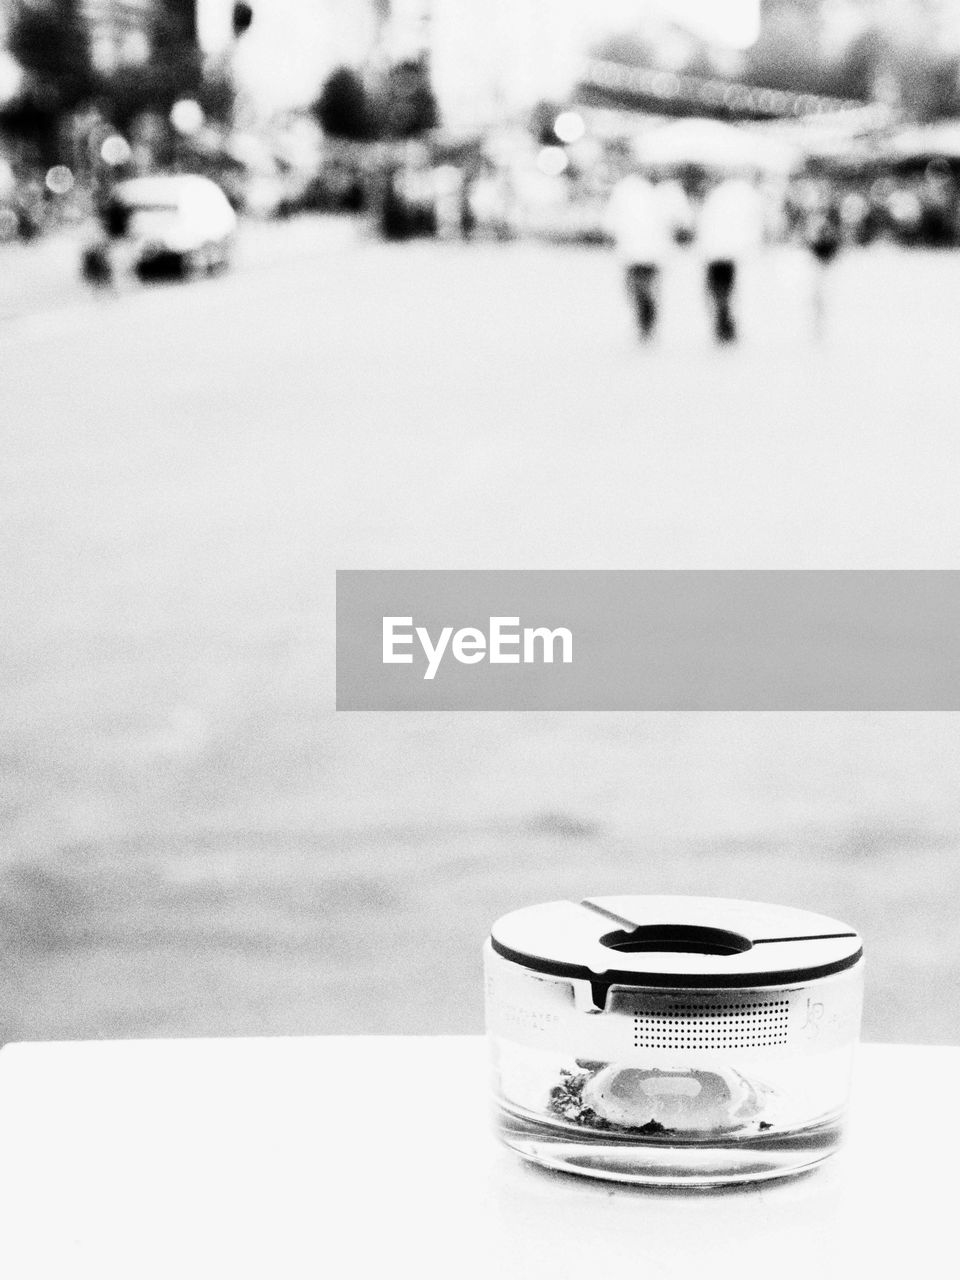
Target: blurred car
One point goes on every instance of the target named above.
(170, 222)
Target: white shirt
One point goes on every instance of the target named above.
(730, 224)
(637, 221)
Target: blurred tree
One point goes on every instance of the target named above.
(50, 41)
(217, 93)
(408, 107)
(343, 108)
(173, 69)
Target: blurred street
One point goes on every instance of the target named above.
(195, 843)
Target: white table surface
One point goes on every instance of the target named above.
(343, 1157)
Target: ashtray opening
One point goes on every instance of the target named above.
(694, 939)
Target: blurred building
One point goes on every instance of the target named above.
(913, 47)
(935, 23)
(490, 59)
(129, 32)
(833, 25)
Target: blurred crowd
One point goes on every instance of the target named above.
(505, 184)
(725, 190)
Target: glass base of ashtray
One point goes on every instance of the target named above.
(664, 1159)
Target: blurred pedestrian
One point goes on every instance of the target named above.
(97, 261)
(642, 236)
(823, 236)
(467, 218)
(96, 265)
(729, 229)
(938, 205)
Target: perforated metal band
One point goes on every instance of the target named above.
(547, 1012)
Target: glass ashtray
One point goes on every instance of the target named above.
(673, 1041)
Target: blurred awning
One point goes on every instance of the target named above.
(905, 150)
(713, 145)
(921, 144)
(603, 83)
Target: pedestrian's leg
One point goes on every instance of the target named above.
(641, 282)
(729, 323)
(635, 290)
(713, 297)
(649, 307)
(97, 266)
(722, 280)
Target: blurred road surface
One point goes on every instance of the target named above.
(195, 843)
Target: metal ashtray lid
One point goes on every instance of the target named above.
(659, 941)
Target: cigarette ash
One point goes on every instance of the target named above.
(566, 1100)
(722, 1101)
